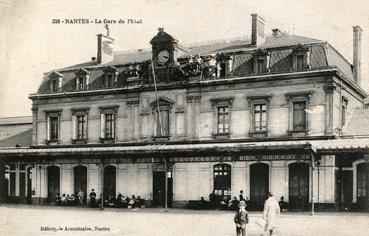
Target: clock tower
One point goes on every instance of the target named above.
(164, 49)
(164, 55)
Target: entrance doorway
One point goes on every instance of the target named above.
(298, 186)
(363, 187)
(110, 182)
(159, 188)
(259, 185)
(80, 180)
(53, 183)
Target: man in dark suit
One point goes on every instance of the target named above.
(241, 218)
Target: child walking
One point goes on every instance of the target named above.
(241, 219)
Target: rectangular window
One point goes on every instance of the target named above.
(223, 119)
(81, 127)
(54, 86)
(260, 117)
(109, 126)
(54, 128)
(299, 116)
(260, 66)
(300, 62)
(109, 81)
(163, 123)
(81, 83)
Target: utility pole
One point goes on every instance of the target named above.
(166, 185)
(102, 184)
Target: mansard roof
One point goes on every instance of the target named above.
(280, 49)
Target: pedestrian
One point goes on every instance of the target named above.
(241, 218)
(92, 198)
(271, 213)
(80, 196)
(242, 196)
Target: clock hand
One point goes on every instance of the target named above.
(166, 57)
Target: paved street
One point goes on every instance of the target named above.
(28, 220)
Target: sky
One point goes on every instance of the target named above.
(30, 44)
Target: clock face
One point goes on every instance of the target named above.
(163, 56)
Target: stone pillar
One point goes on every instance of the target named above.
(3, 187)
(34, 123)
(66, 181)
(189, 124)
(193, 116)
(278, 177)
(238, 178)
(329, 95)
(133, 130)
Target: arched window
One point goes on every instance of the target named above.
(222, 179)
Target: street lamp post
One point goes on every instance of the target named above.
(318, 164)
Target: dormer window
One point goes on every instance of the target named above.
(82, 77)
(54, 86)
(301, 58)
(261, 61)
(55, 82)
(110, 77)
(224, 65)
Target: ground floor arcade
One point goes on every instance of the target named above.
(332, 180)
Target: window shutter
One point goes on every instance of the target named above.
(102, 126)
(74, 127)
(48, 128)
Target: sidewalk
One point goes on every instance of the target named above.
(28, 220)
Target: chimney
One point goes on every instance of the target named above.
(257, 34)
(105, 47)
(357, 53)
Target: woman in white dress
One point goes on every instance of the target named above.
(271, 213)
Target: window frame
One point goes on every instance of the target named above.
(262, 56)
(110, 77)
(104, 111)
(303, 97)
(54, 114)
(216, 104)
(167, 106)
(257, 101)
(226, 61)
(220, 170)
(79, 112)
(55, 82)
(303, 117)
(301, 51)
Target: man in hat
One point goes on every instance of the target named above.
(241, 219)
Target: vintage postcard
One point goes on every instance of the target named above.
(189, 117)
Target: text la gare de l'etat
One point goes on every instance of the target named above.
(97, 21)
